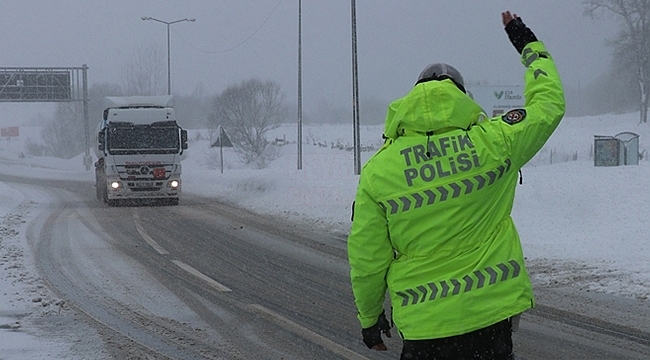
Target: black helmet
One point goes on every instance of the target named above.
(441, 71)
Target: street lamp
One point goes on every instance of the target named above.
(355, 92)
(168, 23)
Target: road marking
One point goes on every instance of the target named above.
(307, 334)
(201, 276)
(146, 237)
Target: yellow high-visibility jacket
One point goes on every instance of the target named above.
(432, 220)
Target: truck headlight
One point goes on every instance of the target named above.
(174, 184)
(116, 185)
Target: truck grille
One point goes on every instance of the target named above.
(145, 172)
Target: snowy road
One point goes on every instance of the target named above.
(206, 281)
(191, 282)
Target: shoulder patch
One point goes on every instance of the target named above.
(514, 116)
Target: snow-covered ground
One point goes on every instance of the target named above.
(579, 224)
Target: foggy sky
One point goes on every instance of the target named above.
(396, 40)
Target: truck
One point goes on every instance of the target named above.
(139, 147)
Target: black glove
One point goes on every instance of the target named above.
(520, 35)
(372, 335)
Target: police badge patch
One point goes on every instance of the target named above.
(514, 116)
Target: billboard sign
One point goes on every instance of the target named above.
(10, 131)
(35, 85)
(498, 99)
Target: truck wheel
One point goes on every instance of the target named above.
(98, 189)
(102, 196)
(100, 181)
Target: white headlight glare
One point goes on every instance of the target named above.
(174, 183)
(116, 185)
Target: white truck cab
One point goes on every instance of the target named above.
(139, 147)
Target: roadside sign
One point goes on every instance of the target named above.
(10, 131)
(498, 99)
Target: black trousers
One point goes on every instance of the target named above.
(491, 343)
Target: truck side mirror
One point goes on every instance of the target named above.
(184, 139)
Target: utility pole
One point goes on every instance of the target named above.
(355, 92)
(299, 85)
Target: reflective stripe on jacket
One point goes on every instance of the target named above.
(432, 220)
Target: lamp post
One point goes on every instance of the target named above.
(355, 92)
(168, 23)
(299, 85)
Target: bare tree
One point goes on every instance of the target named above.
(632, 45)
(144, 73)
(64, 136)
(248, 111)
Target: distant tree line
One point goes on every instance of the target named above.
(252, 107)
(247, 110)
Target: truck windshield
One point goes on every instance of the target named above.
(143, 139)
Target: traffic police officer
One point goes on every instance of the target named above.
(432, 215)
